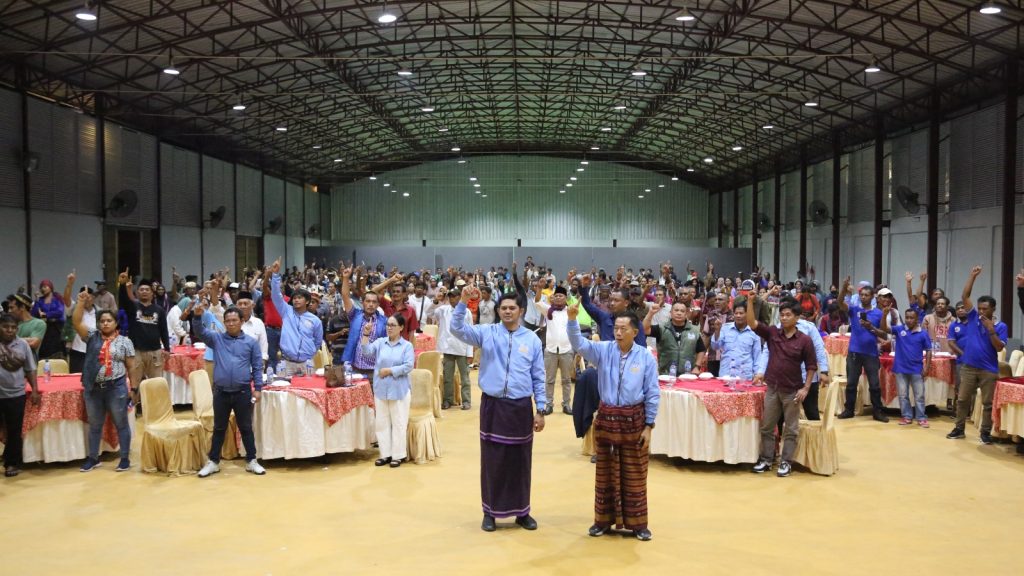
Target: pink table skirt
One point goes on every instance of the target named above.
(722, 402)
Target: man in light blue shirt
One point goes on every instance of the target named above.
(821, 378)
(741, 348)
(302, 332)
(627, 382)
(511, 372)
(238, 368)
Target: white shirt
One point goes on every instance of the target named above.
(254, 327)
(447, 343)
(174, 324)
(557, 338)
(89, 321)
(422, 307)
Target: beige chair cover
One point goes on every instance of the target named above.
(424, 444)
(1020, 369)
(1014, 361)
(322, 357)
(168, 445)
(431, 361)
(588, 443)
(202, 406)
(56, 367)
(816, 447)
(430, 330)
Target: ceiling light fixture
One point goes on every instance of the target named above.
(476, 185)
(620, 107)
(606, 129)
(690, 170)
(641, 196)
(811, 104)
(872, 68)
(661, 185)
(238, 107)
(990, 9)
(737, 148)
(462, 161)
(685, 16)
(638, 73)
(584, 162)
(387, 184)
(573, 178)
(709, 160)
(442, 129)
(373, 177)
(337, 160)
(580, 169)
(317, 146)
(768, 127)
(405, 194)
(404, 72)
(87, 14)
(569, 185)
(427, 109)
(561, 191)
(675, 178)
(281, 128)
(647, 189)
(386, 17)
(595, 147)
(456, 149)
(483, 195)
(472, 178)
(171, 70)
(476, 191)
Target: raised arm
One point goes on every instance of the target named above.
(275, 290)
(841, 301)
(922, 298)
(599, 316)
(909, 277)
(751, 313)
(346, 289)
(69, 288)
(459, 327)
(380, 288)
(580, 345)
(76, 317)
(965, 297)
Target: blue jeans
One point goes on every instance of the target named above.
(112, 399)
(273, 344)
(904, 382)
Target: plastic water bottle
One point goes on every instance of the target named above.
(47, 372)
(687, 367)
(309, 367)
(174, 339)
(732, 370)
(188, 340)
(280, 368)
(673, 370)
(348, 373)
(268, 377)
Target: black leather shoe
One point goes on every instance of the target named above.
(566, 410)
(880, 416)
(382, 461)
(488, 524)
(526, 522)
(596, 530)
(643, 534)
(845, 414)
(396, 463)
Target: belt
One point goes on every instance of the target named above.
(104, 384)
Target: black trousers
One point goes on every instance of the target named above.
(224, 402)
(855, 363)
(76, 361)
(12, 410)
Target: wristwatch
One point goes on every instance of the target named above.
(650, 425)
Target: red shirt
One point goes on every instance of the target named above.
(407, 312)
(271, 317)
(785, 354)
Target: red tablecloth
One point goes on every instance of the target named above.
(332, 402)
(61, 399)
(184, 360)
(723, 403)
(943, 368)
(1008, 390)
(424, 343)
(837, 344)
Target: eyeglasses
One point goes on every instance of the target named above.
(390, 325)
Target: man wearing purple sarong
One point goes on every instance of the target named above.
(511, 372)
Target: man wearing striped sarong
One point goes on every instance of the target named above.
(627, 379)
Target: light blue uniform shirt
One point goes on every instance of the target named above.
(740, 349)
(511, 363)
(621, 383)
(301, 336)
(398, 356)
(819, 351)
(236, 361)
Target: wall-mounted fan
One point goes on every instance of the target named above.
(313, 231)
(818, 213)
(217, 216)
(274, 225)
(908, 199)
(122, 204)
(764, 223)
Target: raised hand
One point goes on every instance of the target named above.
(924, 276)
(122, 278)
(1020, 278)
(975, 271)
(275, 268)
(909, 276)
(586, 281)
(71, 277)
(573, 310)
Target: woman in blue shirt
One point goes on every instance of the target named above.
(393, 361)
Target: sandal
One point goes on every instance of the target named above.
(11, 472)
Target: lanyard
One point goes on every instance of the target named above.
(623, 360)
(508, 365)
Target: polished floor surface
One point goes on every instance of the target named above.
(906, 500)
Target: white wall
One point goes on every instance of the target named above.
(12, 222)
(62, 242)
(218, 250)
(179, 247)
(273, 248)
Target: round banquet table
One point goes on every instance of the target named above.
(707, 421)
(938, 384)
(56, 430)
(1008, 406)
(308, 419)
(183, 361)
(836, 348)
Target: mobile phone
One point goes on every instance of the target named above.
(864, 316)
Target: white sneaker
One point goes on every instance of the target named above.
(254, 467)
(211, 467)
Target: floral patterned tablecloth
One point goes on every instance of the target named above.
(837, 345)
(942, 368)
(1008, 390)
(183, 361)
(723, 403)
(62, 399)
(333, 403)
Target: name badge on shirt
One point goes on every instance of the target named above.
(524, 350)
(903, 333)
(957, 329)
(634, 369)
(691, 336)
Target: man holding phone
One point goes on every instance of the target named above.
(863, 354)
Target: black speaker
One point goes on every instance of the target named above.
(519, 242)
(615, 243)
(424, 242)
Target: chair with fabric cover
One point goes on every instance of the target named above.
(424, 444)
(202, 406)
(1020, 369)
(1015, 360)
(168, 444)
(431, 361)
(816, 447)
(429, 329)
(57, 366)
(322, 357)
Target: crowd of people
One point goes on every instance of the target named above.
(525, 329)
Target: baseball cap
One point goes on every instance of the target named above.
(885, 292)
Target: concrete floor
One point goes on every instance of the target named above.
(906, 500)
